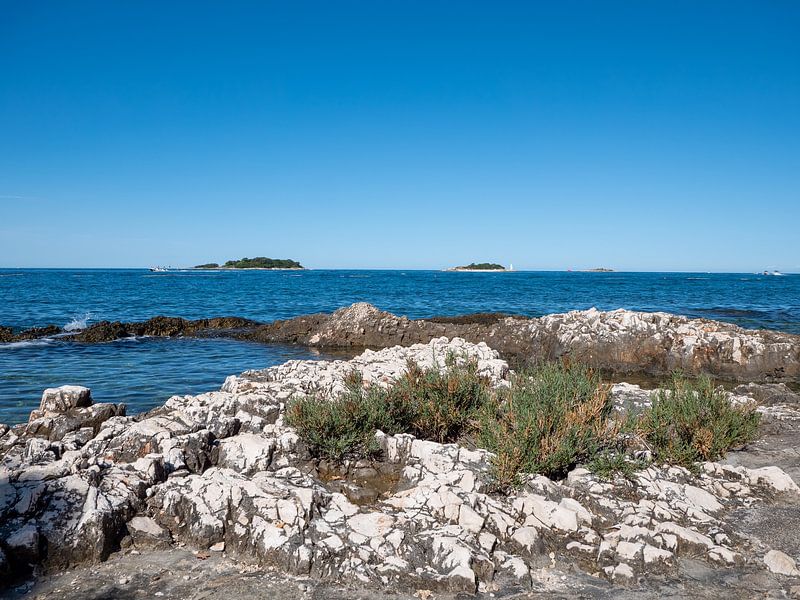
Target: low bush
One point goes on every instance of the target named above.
(433, 404)
(438, 405)
(548, 421)
(693, 420)
(340, 428)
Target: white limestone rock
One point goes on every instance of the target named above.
(780, 563)
(64, 398)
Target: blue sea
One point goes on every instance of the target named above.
(144, 372)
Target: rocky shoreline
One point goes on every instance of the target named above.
(618, 341)
(217, 486)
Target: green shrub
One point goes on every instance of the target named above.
(612, 461)
(340, 428)
(692, 420)
(439, 405)
(548, 421)
(432, 404)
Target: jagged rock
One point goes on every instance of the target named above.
(63, 398)
(24, 544)
(55, 426)
(769, 394)
(106, 331)
(32, 334)
(222, 470)
(618, 341)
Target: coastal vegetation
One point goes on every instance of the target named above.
(480, 267)
(693, 420)
(259, 262)
(550, 419)
(439, 405)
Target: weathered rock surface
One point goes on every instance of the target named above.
(7, 334)
(221, 470)
(618, 341)
(62, 399)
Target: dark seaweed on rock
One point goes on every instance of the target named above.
(619, 341)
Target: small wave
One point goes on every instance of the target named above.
(78, 323)
(27, 344)
(133, 338)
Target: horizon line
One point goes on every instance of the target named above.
(423, 269)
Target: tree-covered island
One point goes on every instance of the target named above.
(259, 262)
(479, 267)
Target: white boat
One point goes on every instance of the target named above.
(158, 269)
(773, 273)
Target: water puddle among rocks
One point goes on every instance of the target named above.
(363, 483)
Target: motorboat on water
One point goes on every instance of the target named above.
(158, 269)
(773, 273)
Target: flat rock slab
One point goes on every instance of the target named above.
(181, 574)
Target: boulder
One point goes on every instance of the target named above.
(62, 399)
(146, 533)
(780, 563)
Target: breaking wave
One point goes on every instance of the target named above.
(78, 323)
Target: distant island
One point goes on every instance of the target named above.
(259, 262)
(479, 267)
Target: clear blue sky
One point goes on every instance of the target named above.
(634, 135)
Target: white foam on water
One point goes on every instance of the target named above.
(132, 338)
(26, 344)
(78, 323)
